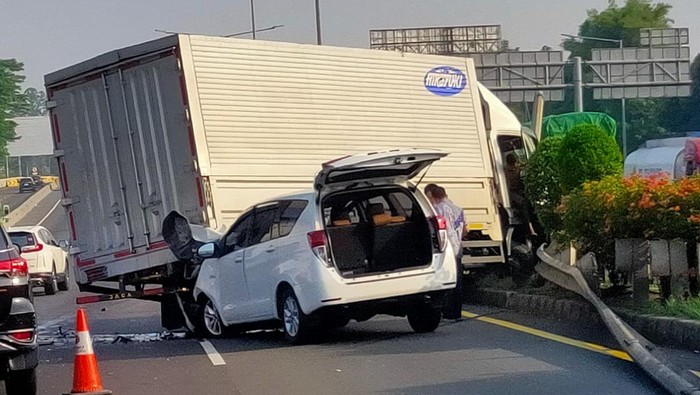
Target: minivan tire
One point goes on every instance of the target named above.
(51, 285)
(208, 315)
(65, 284)
(296, 325)
(21, 382)
(424, 319)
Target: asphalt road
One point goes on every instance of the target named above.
(382, 355)
(12, 197)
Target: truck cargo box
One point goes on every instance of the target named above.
(208, 126)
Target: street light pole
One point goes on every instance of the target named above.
(252, 17)
(578, 85)
(318, 24)
(623, 102)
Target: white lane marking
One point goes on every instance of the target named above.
(213, 355)
(50, 212)
(49, 324)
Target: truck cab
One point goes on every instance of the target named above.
(486, 244)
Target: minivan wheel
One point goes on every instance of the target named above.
(210, 324)
(51, 285)
(21, 382)
(424, 319)
(295, 323)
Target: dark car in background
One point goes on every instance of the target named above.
(18, 333)
(27, 184)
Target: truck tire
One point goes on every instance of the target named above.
(21, 382)
(424, 319)
(51, 285)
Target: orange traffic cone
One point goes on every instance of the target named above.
(86, 375)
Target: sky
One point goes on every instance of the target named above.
(51, 34)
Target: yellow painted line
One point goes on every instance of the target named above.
(551, 336)
(695, 373)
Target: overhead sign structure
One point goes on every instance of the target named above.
(660, 68)
(451, 40)
(514, 76)
(632, 73)
(517, 76)
(664, 37)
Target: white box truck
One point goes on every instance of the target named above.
(208, 125)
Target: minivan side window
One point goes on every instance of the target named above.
(261, 230)
(237, 237)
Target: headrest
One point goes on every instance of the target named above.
(375, 209)
(339, 215)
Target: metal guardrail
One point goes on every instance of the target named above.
(639, 348)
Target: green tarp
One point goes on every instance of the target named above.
(559, 125)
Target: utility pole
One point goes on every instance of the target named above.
(252, 17)
(318, 24)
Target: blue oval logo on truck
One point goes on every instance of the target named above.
(445, 81)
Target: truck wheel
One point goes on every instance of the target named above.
(65, 284)
(296, 325)
(51, 285)
(424, 319)
(21, 382)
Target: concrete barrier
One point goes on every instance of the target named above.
(20, 212)
(14, 181)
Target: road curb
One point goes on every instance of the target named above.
(668, 331)
(20, 212)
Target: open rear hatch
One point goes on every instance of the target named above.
(373, 222)
(386, 167)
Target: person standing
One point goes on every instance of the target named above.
(454, 216)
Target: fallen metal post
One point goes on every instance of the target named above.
(638, 347)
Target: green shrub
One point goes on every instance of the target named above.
(587, 154)
(543, 185)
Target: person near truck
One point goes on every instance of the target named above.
(454, 216)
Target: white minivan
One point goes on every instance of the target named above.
(362, 242)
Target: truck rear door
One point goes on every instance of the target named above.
(125, 154)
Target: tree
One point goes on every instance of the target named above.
(645, 116)
(618, 23)
(10, 100)
(34, 104)
(681, 115)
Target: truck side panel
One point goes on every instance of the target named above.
(125, 160)
(272, 113)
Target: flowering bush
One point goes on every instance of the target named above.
(632, 207)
